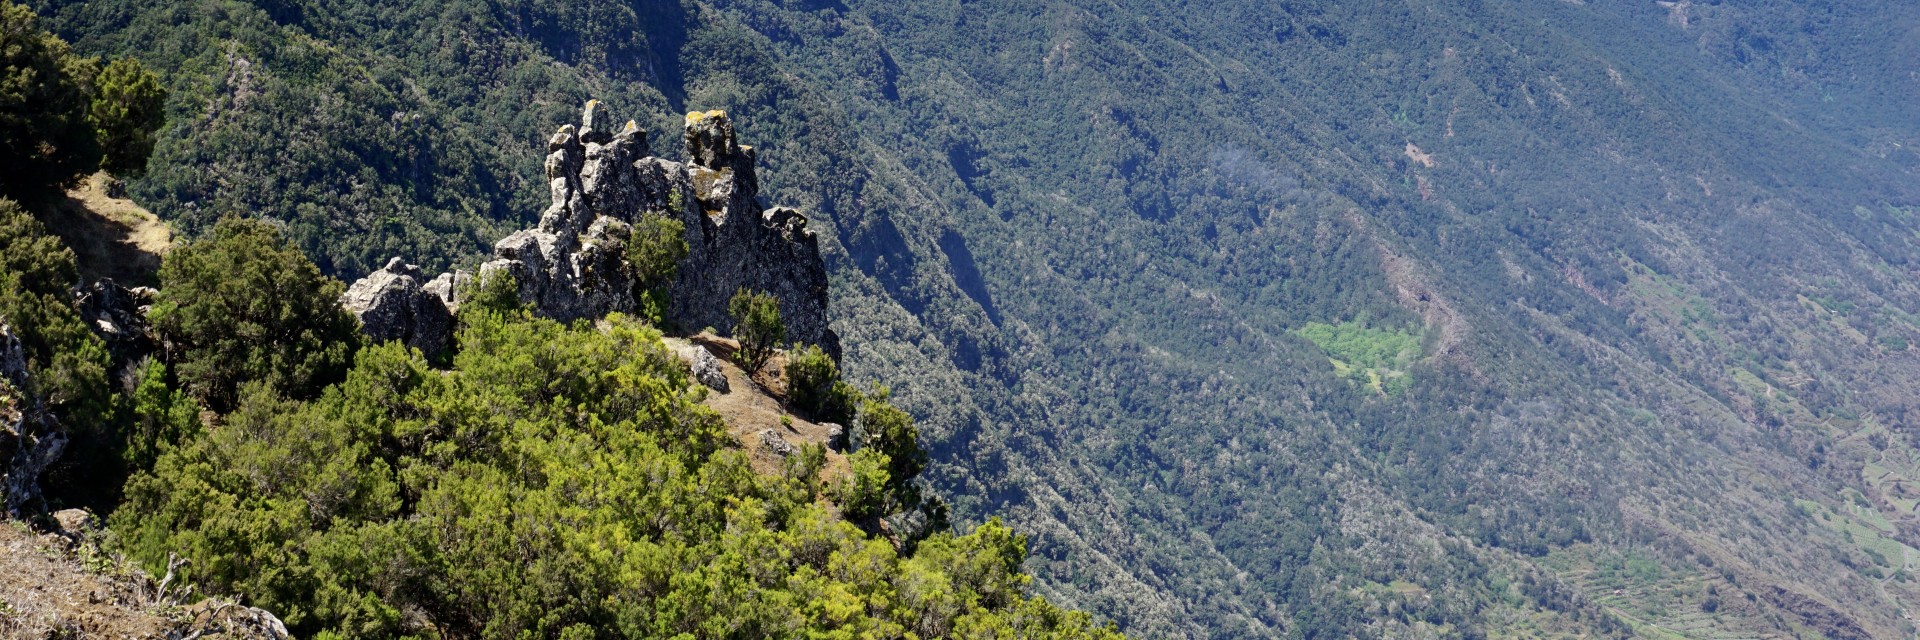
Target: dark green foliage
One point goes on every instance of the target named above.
(159, 417)
(46, 141)
(128, 106)
(654, 252)
(757, 326)
(66, 362)
(491, 293)
(814, 386)
(884, 429)
(554, 482)
(243, 305)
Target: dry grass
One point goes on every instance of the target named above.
(757, 403)
(111, 237)
(47, 592)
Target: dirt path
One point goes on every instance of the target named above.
(112, 237)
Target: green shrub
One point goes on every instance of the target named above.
(814, 386)
(757, 326)
(128, 106)
(245, 305)
(494, 292)
(654, 252)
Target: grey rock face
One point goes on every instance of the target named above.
(394, 304)
(447, 287)
(602, 177)
(28, 441)
(706, 369)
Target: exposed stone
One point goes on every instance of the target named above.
(28, 442)
(119, 316)
(774, 444)
(77, 522)
(392, 304)
(572, 265)
(706, 369)
(836, 436)
(448, 287)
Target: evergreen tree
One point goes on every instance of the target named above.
(757, 326)
(128, 106)
(245, 305)
(46, 140)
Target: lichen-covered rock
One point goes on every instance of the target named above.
(836, 437)
(393, 304)
(601, 177)
(77, 522)
(706, 369)
(774, 444)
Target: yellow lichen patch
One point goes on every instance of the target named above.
(696, 116)
(630, 128)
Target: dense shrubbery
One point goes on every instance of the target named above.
(66, 362)
(558, 482)
(245, 306)
(59, 112)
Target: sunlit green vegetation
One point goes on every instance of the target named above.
(1372, 356)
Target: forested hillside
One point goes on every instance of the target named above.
(1306, 319)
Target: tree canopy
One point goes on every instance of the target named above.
(244, 305)
(62, 114)
(555, 482)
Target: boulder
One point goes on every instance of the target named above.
(393, 304)
(76, 522)
(706, 369)
(836, 437)
(119, 316)
(448, 287)
(775, 444)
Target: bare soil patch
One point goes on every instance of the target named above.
(111, 237)
(755, 404)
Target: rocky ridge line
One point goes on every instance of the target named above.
(571, 265)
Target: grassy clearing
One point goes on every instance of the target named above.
(1376, 358)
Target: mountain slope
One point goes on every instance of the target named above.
(1657, 262)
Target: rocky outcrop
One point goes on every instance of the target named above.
(394, 303)
(28, 443)
(119, 316)
(603, 177)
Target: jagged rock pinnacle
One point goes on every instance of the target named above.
(601, 179)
